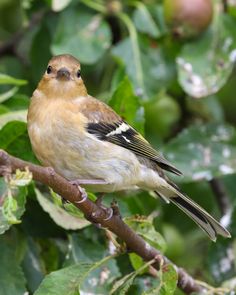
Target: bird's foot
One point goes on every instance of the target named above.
(109, 211)
(84, 195)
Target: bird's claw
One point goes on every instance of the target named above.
(83, 195)
(109, 212)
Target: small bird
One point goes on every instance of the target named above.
(85, 141)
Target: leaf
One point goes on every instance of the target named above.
(58, 5)
(6, 79)
(82, 34)
(33, 266)
(144, 22)
(168, 282)
(203, 152)
(13, 199)
(127, 105)
(128, 52)
(14, 139)
(221, 255)
(144, 227)
(122, 286)
(10, 132)
(6, 95)
(68, 280)
(12, 280)
(205, 65)
(157, 71)
(13, 116)
(59, 215)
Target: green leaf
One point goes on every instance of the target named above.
(6, 95)
(122, 286)
(144, 227)
(58, 5)
(128, 52)
(127, 105)
(82, 34)
(205, 65)
(68, 280)
(203, 152)
(13, 116)
(59, 215)
(13, 199)
(12, 280)
(144, 22)
(6, 79)
(168, 278)
(33, 266)
(14, 139)
(157, 71)
(10, 132)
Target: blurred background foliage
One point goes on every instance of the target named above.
(168, 67)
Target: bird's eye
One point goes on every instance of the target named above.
(49, 70)
(78, 74)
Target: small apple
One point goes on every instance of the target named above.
(188, 18)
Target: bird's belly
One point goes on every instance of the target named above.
(76, 156)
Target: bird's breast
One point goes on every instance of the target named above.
(59, 139)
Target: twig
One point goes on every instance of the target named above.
(225, 5)
(221, 195)
(10, 46)
(98, 215)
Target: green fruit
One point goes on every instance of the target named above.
(188, 18)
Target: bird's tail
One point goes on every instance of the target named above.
(203, 219)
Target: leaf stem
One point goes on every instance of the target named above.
(95, 5)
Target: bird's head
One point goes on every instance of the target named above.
(62, 78)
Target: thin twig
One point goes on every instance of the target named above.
(220, 193)
(10, 46)
(225, 5)
(98, 215)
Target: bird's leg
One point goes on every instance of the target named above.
(88, 181)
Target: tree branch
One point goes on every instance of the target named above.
(98, 215)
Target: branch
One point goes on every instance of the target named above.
(98, 215)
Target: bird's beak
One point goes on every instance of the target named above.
(63, 74)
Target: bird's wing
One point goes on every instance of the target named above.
(122, 134)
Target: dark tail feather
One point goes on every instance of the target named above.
(203, 219)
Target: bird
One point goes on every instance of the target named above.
(87, 142)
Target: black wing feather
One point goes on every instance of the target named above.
(130, 139)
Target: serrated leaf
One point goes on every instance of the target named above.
(203, 152)
(82, 34)
(68, 280)
(59, 215)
